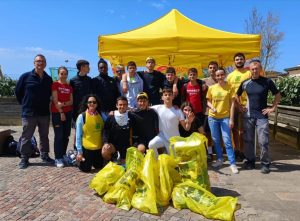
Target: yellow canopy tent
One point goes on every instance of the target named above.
(177, 40)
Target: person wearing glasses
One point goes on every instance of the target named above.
(33, 92)
(120, 70)
(89, 129)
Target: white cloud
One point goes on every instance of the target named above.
(15, 61)
(159, 5)
(30, 52)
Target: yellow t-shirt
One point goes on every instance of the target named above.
(235, 79)
(220, 97)
(92, 132)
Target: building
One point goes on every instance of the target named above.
(293, 71)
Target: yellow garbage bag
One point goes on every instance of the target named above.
(194, 197)
(191, 153)
(122, 191)
(134, 158)
(168, 178)
(144, 198)
(106, 178)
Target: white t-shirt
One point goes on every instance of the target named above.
(169, 119)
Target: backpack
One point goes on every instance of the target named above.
(34, 149)
(10, 146)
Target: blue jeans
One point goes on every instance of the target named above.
(262, 127)
(221, 125)
(62, 130)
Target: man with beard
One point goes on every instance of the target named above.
(235, 79)
(105, 87)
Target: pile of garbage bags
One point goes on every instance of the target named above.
(149, 185)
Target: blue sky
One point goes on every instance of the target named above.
(69, 29)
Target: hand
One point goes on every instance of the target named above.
(79, 157)
(231, 124)
(63, 117)
(190, 117)
(60, 105)
(111, 113)
(214, 110)
(267, 111)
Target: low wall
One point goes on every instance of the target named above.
(285, 125)
(10, 111)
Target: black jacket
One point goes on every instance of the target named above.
(34, 94)
(105, 87)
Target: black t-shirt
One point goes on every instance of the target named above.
(177, 99)
(196, 124)
(106, 88)
(118, 135)
(82, 86)
(146, 128)
(257, 93)
(152, 83)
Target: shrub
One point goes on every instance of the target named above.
(7, 86)
(289, 88)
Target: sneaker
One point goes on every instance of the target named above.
(249, 165)
(234, 169)
(59, 163)
(265, 169)
(24, 163)
(46, 159)
(218, 163)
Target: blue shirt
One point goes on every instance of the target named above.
(257, 93)
(34, 93)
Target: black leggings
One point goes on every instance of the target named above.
(92, 158)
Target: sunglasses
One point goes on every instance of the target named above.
(120, 71)
(92, 102)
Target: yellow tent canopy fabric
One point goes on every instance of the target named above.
(177, 40)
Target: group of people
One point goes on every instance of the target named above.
(144, 109)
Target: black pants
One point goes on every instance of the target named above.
(62, 131)
(93, 158)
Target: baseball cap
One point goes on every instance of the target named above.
(150, 59)
(142, 95)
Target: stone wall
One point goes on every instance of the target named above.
(10, 111)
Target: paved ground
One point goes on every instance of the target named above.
(49, 193)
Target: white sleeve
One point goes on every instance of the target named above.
(180, 115)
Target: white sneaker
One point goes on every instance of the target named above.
(59, 163)
(234, 169)
(218, 163)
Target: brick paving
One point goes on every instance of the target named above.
(44, 192)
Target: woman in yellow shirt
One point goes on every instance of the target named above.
(89, 129)
(220, 100)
